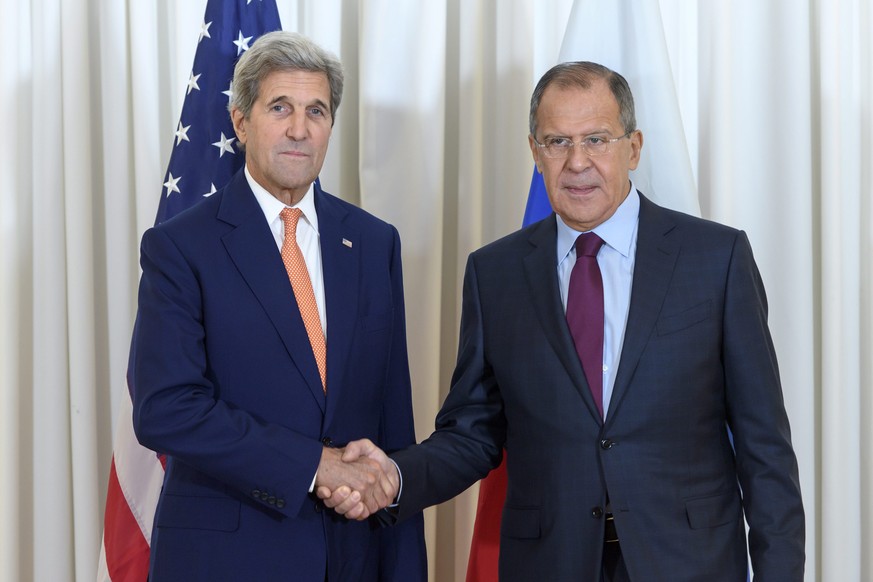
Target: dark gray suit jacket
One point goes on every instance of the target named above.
(697, 357)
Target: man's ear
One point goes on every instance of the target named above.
(636, 147)
(239, 126)
(535, 152)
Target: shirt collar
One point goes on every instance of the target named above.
(617, 231)
(271, 206)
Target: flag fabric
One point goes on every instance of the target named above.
(204, 157)
(538, 206)
(628, 37)
(205, 153)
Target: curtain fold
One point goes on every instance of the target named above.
(15, 95)
(776, 99)
(841, 76)
(401, 118)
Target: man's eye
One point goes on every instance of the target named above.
(316, 111)
(277, 108)
(559, 142)
(595, 140)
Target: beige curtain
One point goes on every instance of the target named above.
(776, 99)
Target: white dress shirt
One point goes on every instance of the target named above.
(307, 236)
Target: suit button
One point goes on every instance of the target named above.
(606, 444)
(280, 503)
(326, 441)
(596, 512)
(271, 500)
(256, 493)
(264, 495)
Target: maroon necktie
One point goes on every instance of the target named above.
(585, 312)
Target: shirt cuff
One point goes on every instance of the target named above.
(400, 488)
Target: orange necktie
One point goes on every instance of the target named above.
(302, 286)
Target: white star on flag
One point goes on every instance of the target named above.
(212, 191)
(204, 31)
(229, 92)
(224, 145)
(182, 133)
(192, 83)
(171, 185)
(242, 43)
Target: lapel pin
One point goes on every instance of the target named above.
(347, 242)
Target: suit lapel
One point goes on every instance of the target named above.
(541, 269)
(340, 259)
(253, 250)
(656, 256)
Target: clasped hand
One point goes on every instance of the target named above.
(356, 481)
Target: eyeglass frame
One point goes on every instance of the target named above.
(581, 143)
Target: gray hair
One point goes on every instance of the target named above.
(583, 74)
(282, 51)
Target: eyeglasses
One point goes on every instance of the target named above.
(592, 145)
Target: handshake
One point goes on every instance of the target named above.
(356, 481)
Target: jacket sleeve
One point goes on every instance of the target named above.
(766, 464)
(470, 427)
(176, 410)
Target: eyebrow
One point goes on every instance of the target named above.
(602, 131)
(317, 102)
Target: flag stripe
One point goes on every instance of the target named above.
(139, 474)
(538, 206)
(485, 549)
(127, 551)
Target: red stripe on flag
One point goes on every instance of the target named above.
(127, 551)
(485, 547)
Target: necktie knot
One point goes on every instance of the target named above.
(588, 244)
(290, 217)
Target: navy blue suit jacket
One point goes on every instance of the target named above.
(225, 384)
(697, 357)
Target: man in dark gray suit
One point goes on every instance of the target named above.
(613, 412)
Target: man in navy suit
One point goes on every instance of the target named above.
(637, 480)
(227, 381)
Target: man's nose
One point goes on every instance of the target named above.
(577, 158)
(296, 128)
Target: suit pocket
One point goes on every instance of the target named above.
(521, 524)
(377, 321)
(673, 323)
(713, 511)
(208, 513)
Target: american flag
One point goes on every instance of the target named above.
(204, 157)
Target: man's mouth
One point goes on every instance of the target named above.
(580, 189)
